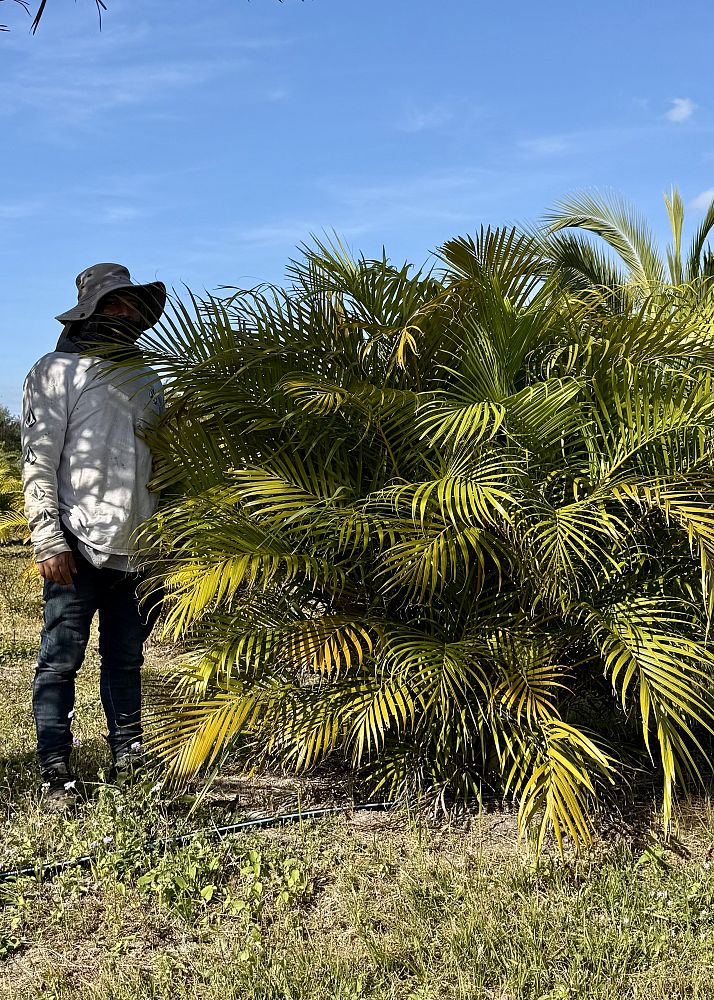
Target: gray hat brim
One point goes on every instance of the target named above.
(152, 297)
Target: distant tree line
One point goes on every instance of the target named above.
(9, 431)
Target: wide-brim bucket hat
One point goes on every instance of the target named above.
(99, 280)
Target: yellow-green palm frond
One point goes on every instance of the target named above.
(228, 560)
(324, 644)
(305, 731)
(381, 710)
(424, 561)
(446, 420)
(286, 488)
(655, 332)
(569, 548)
(328, 645)
(438, 673)
(648, 421)
(13, 524)
(314, 394)
(584, 267)
(620, 226)
(532, 680)
(689, 509)
(649, 653)
(189, 735)
(554, 772)
(506, 261)
(546, 410)
(680, 502)
(475, 489)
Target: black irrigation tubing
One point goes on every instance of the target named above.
(55, 867)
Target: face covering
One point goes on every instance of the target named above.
(110, 329)
(115, 336)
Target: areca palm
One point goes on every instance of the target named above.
(13, 524)
(623, 232)
(454, 528)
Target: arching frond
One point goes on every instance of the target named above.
(425, 561)
(570, 548)
(696, 261)
(193, 734)
(675, 213)
(531, 679)
(620, 226)
(475, 490)
(553, 773)
(447, 420)
(505, 260)
(638, 408)
(583, 266)
(646, 654)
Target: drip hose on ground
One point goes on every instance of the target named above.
(55, 867)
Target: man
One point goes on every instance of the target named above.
(85, 474)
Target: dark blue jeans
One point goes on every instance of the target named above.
(123, 628)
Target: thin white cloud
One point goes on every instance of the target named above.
(425, 119)
(276, 94)
(117, 214)
(681, 110)
(702, 202)
(545, 145)
(79, 81)
(449, 199)
(287, 234)
(19, 209)
(80, 93)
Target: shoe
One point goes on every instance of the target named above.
(128, 763)
(59, 788)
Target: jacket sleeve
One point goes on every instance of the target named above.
(45, 412)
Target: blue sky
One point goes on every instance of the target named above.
(199, 142)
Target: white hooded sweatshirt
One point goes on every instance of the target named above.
(84, 461)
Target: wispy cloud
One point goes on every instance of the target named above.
(19, 209)
(87, 76)
(440, 201)
(81, 93)
(681, 110)
(286, 234)
(545, 145)
(276, 94)
(702, 202)
(117, 214)
(356, 209)
(289, 232)
(425, 119)
(440, 195)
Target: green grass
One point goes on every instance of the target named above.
(369, 906)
